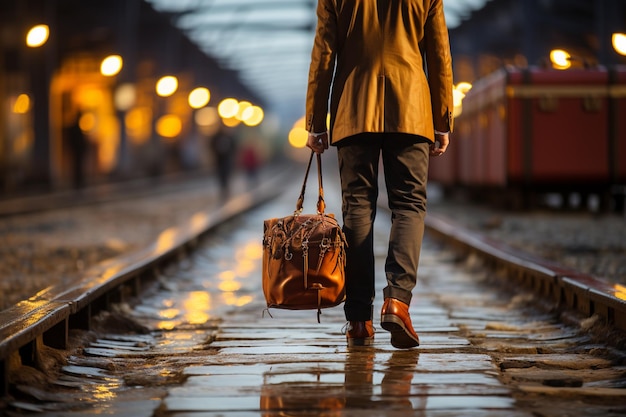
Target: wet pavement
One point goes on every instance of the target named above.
(200, 344)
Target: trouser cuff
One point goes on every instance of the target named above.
(398, 293)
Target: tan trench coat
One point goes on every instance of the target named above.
(375, 49)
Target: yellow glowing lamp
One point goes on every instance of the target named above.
(243, 106)
(463, 87)
(167, 86)
(619, 43)
(169, 126)
(457, 97)
(37, 36)
(22, 104)
(560, 59)
(298, 137)
(253, 116)
(111, 65)
(228, 108)
(199, 97)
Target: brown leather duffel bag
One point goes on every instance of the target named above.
(304, 257)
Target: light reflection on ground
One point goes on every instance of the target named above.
(104, 393)
(169, 313)
(231, 299)
(229, 286)
(208, 349)
(197, 307)
(620, 291)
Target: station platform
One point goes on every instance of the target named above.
(200, 343)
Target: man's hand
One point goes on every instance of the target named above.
(318, 143)
(442, 140)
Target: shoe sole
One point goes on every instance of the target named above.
(368, 341)
(400, 337)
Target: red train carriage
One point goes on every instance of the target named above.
(537, 130)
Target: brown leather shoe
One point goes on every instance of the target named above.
(395, 318)
(360, 333)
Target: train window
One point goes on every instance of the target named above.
(548, 103)
(592, 104)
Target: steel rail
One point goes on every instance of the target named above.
(566, 288)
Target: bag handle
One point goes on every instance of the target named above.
(321, 204)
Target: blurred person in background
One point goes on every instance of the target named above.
(77, 143)
(251, 162)
(385, 66)
(223, 148)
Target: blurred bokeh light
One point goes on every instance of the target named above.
(228, 108)
(167, 85)
(253, 116)
(111, 65)
(199, 97)
(37, 36)
(619, 43)
(560, 59)
(169, 126)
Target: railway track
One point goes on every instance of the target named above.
(177, 329)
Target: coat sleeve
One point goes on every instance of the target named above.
(322, 67)
(439, 67)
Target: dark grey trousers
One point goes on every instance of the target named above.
(405, 163)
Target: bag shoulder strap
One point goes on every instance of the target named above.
(321, 204)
